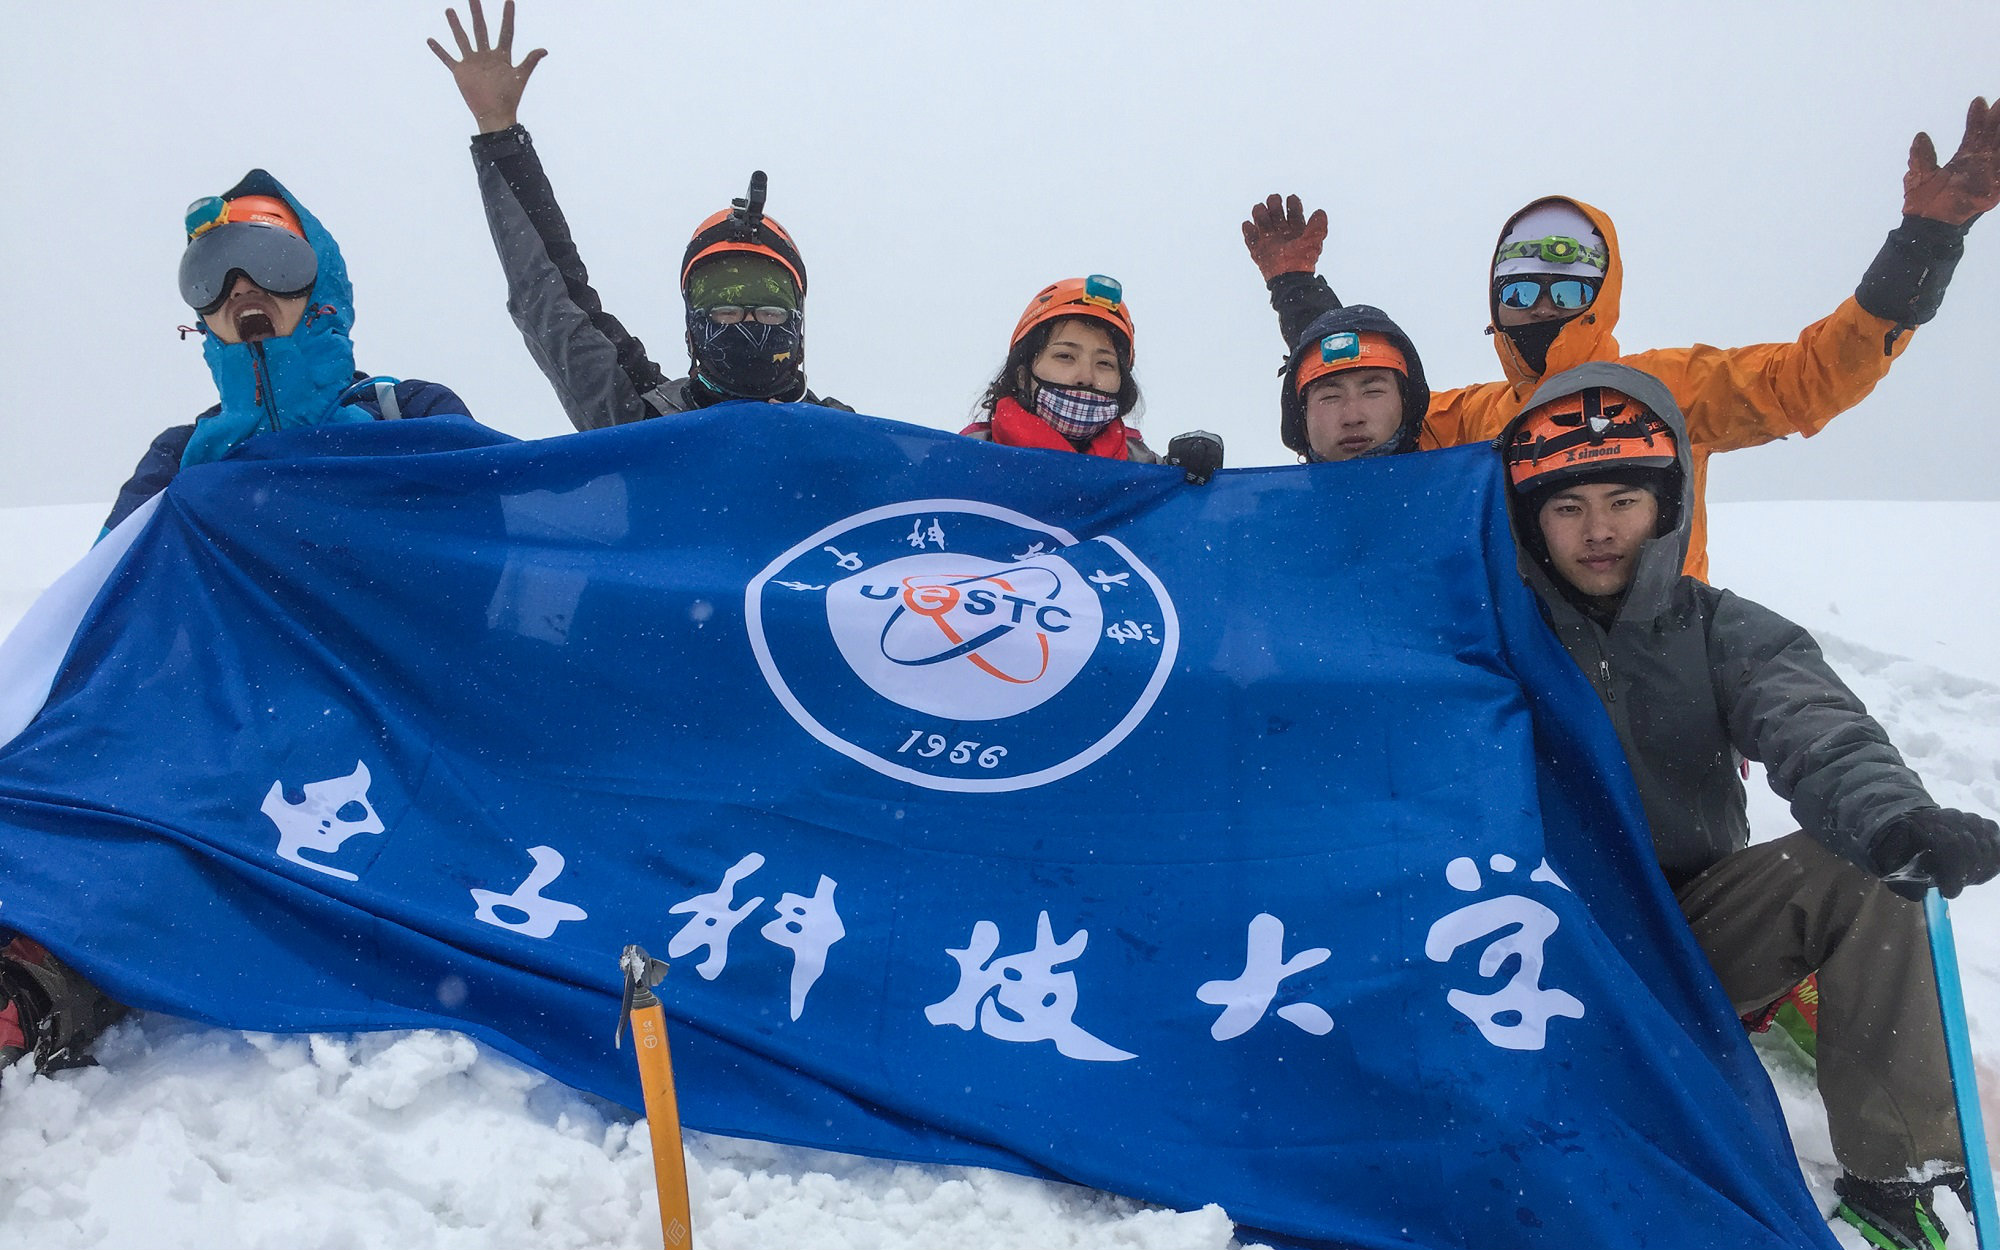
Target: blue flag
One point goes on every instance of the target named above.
(1252, 843)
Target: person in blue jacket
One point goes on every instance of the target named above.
(275, 305)
(276, 310)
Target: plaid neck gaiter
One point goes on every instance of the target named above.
(1076, 412)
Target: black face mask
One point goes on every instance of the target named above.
(1534, 340)
(747, 360)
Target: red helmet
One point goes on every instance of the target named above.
(1096, 297)
(1585, 434)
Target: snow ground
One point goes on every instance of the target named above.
(188, 1136)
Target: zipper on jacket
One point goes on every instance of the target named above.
(261, 372)
(1604, 675)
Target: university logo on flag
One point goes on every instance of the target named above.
(960, 645)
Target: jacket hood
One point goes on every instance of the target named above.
(1585, 337)
(283, 382)
(1660, 560)
(1356, 319)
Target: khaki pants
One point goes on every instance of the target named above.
(1772, 913)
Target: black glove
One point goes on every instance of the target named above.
(1197, 452)
(1937, 846)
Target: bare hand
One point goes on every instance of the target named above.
(1282, 239)
(487, 76)
(1969, 183)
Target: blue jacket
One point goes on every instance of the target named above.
(305, 378)
(163, 459)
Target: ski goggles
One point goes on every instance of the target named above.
(1565, 293)
(736, 314)
(1556, 249)
(269, 255)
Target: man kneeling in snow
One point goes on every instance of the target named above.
(276, 308)
(1696, 679)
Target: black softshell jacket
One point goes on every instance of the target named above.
(1695, 677)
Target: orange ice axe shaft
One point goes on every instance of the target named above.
(656, 1082)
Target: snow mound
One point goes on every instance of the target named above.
(194, 1137)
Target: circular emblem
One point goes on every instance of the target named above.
(962, 646)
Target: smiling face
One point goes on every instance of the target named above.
(251, 313)
(1594, 533)
(1079, 352)
(1352, 412)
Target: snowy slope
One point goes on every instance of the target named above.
(189, 1136)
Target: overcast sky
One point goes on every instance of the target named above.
(939, 163)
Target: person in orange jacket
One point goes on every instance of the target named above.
(1555, 291)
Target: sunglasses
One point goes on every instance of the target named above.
(1565, 293)
(736, 314)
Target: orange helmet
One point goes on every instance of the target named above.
(206, 214)
(1350, 350)
(1096, 297)
(1582, 435)
(743, 227)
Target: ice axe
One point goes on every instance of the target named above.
(656, 1083)
(1964, 1080)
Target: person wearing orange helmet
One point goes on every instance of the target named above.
(1554, 291)
(1694, 680)
(270, 291)
(1067, 382)
(276, 312)
(1353, 388)
(743, 282)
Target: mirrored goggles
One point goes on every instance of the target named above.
(735, 314)
(274, 258)
(1565, 293)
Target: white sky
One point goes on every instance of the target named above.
(939, 163)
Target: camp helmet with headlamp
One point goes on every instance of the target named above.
(1096, 297)
(1346, 350)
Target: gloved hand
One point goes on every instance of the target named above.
(1937, 846)
(1968, 184)
(1198, 453)
(1282, 239)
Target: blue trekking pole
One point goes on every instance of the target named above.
(1964, 1081)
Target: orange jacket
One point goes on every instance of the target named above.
(1732, 396)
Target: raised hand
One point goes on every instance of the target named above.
(1282, 239)
(487, 77)
(1969, 183)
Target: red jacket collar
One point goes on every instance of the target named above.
(1015, 426)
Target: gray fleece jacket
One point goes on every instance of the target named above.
(1696, 678)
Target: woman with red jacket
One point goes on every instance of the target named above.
(1067, 384)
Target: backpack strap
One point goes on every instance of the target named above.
(665, 400)
(384, 389)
